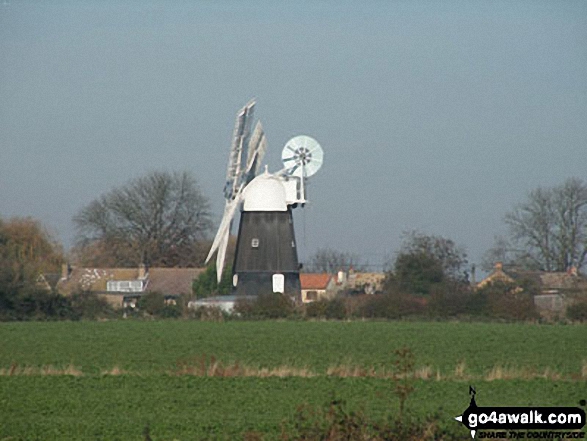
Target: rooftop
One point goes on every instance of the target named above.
(314, 281)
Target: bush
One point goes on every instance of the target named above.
(170, 311)
(335, 422)
(39, 304)
(208, 314)
(446, 301)
(152, 303)
(316, 309)
(391, 306)
(476, 304)
(334, 309)
(88, 305)
(206, 285)
(265, 306)
(8, 299)
(508, 301)
(577, 311)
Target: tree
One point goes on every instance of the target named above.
(206, 285)
(499, 252)
(327, 260)
(426, 261)
(417, 272)
(551, 226)
(27, 250)
(157, 219)
(508, 254)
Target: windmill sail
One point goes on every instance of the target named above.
(240, 139)
(236, 170)
(221, 240)
(256, 152)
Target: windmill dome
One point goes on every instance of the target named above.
(265, 193)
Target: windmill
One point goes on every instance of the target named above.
(266, 255)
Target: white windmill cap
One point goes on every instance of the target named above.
(265, 193)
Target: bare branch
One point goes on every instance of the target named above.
(156, 219)
(551, 226)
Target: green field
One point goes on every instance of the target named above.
(110, 380)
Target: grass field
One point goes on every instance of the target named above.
(110, 380)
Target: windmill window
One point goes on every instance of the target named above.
(255, 243)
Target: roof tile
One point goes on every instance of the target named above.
(314, 281)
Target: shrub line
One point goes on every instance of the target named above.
(215, 368)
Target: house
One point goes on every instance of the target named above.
(364, 283)
(497, 275)
(550, 303)
(556, 288)
(317, 286)
(122, 287)
(172, 282)
(562, 282)
(47, 281)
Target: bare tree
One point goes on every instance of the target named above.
(509, 255)
(551, 226)
(157, 219)
(327, 260)
(499, 252)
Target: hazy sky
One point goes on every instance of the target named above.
(437, 116)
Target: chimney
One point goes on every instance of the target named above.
(341, 277)
(65, 271)
(473, 278)
(142, 271)
(572, 271)
(498, 266)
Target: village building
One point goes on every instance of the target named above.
(317, 286)
(123, 287)
(364, 282)
(556, 289)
